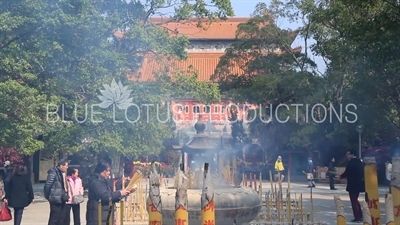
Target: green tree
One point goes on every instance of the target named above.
(357, 41)
(274, 74)
(361, 53)
(62, 52)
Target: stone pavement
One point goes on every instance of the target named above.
(324, 206)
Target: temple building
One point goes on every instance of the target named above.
(207, 45)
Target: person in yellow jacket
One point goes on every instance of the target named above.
(279, 168)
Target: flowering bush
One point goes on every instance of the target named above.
(11, 155)
(138, 163)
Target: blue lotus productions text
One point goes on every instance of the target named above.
(283, 113)
(313, 113)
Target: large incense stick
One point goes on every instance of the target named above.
(137, 176)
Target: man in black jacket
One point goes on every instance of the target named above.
(355, 183)
(56, 192)
(332, 174)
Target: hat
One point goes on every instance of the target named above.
(279, 157)
(7, 163)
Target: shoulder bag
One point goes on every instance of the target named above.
(5, 212)
(76, 199)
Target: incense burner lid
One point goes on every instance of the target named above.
(201, 142)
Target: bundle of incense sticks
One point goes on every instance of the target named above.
(136, 178)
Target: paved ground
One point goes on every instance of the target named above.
(37, 213)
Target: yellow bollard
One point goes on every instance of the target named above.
(122, 204)
(154, 205)
(99, 213)
(207, 199)
(340, 218)
(111, 213)
(260, 190)
(267, 204)
(395, 188)
(260, 195)
(122, 212)
(271, 180)
(389, 210)
(289, 207)
(301, 208)
(371, 189)
(311, 206)
(181, 200)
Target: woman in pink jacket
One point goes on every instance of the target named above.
(75, 188)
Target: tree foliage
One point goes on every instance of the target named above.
(356, 40)
(361, 54)
(60, 53)
(273, 73)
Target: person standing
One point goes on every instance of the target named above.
(310, 173)
(279, 168)
(75, 188)
(56, 192)
(332, 174)
(7, 175)
(355, 183)
(101, 194)
(20, 193)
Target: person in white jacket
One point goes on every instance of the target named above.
(389, 174)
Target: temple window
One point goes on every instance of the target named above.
(216, 109)
(207, 109)
(196, 109)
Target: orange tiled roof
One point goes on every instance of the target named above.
(216, 30)
(204, 63)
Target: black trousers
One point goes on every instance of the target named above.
(76, 211)
(18, 215)
(355, 205)
(58, 214)
(331, 182)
